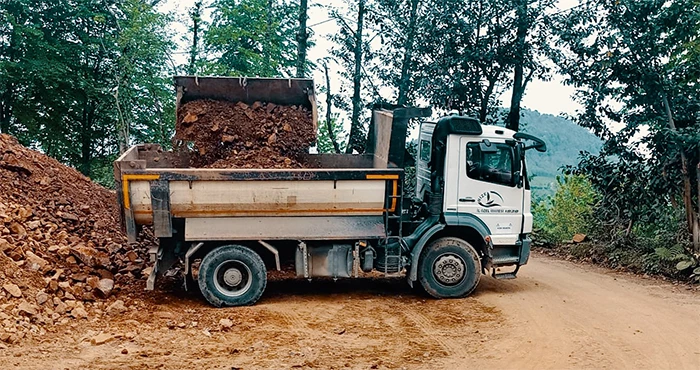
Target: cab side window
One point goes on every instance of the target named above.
(493, 165)
(425, 150)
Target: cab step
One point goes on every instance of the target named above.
(505, 276)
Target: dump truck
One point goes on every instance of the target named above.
(344, 215)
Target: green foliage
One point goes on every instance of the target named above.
(251, 38)
(568, 212)
(323, 142)
(631, 62)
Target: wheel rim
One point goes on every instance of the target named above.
(449, 269)
(232, 278)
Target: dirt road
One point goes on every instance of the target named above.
(556, 315)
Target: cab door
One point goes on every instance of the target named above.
(489, 188)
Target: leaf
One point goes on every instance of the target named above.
(682, 265)
(696, 271)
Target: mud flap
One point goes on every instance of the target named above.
(163, 259)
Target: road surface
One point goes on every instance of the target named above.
(556, 315)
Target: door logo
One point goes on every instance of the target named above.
(490, 199)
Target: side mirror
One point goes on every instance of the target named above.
(517, 179)
(539, 144)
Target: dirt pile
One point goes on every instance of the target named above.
(61, 243)
(237, 135)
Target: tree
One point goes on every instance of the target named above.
(532, 50)
(302, 39)
(351, 53)
(251, 38)
(463, 53)
(629, 61)
(195, 15)
(332, 137)
(399, 24)
(86, 76)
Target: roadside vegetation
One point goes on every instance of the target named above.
(578, 221)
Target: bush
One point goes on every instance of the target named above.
(568, 212)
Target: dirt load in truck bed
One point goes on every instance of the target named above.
(61, 244)
(238, 135)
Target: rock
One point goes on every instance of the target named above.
(4, 245)
(104, 287)
(104, 274)
(31, 225)
(63, 251)
(225, 323)
(92, 282)
(41, 298)
(79, 277)
(125, 351)
(579, 238)
(79, 313)
(65, 286)
(90, 256)
(101, 338)
(68, 216)
(27, 309)
(18, 229)
(116, 308)
(13, 290)
(52, 285)
(61, 307)
(35, 262)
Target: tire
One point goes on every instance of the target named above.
(232, 275)
(439, 268)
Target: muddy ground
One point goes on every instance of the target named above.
(556, 315)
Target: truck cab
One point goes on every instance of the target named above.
(485, 186)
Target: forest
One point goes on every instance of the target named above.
(82, 80)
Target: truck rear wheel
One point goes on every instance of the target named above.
(232, 275)
(449, 268)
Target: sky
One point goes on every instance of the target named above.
(552, 97)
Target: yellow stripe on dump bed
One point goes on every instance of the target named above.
(395, 186)
(382, 177)
(125, 185)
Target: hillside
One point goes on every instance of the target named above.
(565, 141)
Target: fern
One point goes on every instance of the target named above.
(671, 254)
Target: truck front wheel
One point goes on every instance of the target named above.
(232, 275)
(449, 268)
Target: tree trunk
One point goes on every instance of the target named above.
(302, 39)
(696, 230)
(329, 106)
(518, 83)
(405, 81)
(86, 139)
(270, 36)
(484, 108)
(196, 15)
(690, 215)
(6, 110)
(355, 139)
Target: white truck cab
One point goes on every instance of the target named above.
(484, 184)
